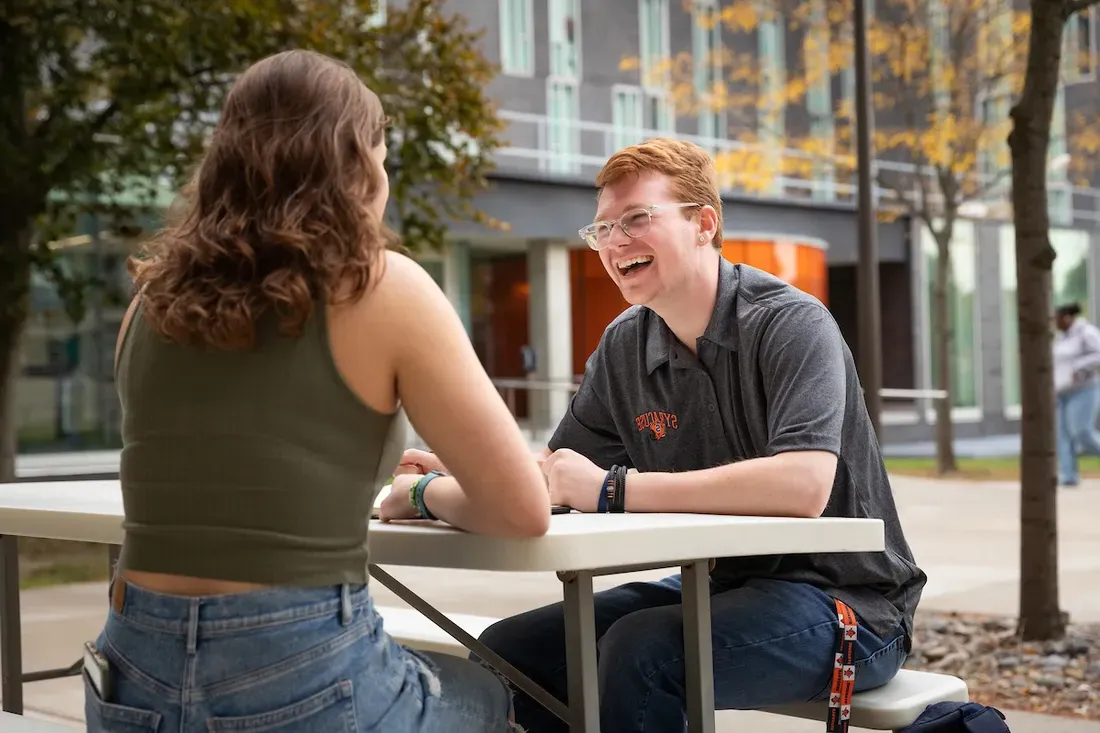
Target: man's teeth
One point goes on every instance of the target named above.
(624, 264)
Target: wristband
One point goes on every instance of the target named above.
(617, 501)
(601, 504)
(416, 494)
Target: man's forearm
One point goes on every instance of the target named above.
(795, 484)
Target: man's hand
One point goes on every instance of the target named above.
(397, 505)
(573, 480)
(419, 462)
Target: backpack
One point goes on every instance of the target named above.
(958, 717)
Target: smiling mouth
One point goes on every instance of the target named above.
(633, 265)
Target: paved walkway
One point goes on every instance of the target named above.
(965, 535)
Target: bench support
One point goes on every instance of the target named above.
(11, 642)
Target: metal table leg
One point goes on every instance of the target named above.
(11, 642)
(580, 652)
(486, 654)
(698, 652)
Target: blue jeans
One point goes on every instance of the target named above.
(774, 643)
(308, 660)
(1076, 418)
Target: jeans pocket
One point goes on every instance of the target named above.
(106, 717)
(879, 668)
(332, 710)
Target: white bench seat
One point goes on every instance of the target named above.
(890, 707)
(411, 628)
(11, 723)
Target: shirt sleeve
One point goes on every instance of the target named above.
(1089, 358)
(802, 361)
(588, 427)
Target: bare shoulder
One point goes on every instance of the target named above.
(402, 291)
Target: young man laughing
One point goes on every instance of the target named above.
(724, 390)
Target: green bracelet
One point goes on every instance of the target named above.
(416, 494)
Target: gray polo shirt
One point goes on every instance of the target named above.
(773, 374)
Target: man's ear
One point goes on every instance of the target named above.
(708, 225)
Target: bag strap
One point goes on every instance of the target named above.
(844, 671)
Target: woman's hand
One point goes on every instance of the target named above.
(419, 462)
(397, 504)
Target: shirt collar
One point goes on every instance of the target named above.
(661, 344)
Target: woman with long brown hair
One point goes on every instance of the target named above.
(264, 369)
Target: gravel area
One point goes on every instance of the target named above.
(1058, 678)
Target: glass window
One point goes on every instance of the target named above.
(653, 39)
(771, 115)
(707, 61)
(626, 116)
(1059, 189)
(962, 305)
(565, 54)
(819, 102)
(517, 49)
(1069, 282)
(658, 113)
(563, 131)
(1080, 46)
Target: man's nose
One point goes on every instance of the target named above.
(617, 237)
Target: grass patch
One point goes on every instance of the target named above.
(980, 469)
(55, 562)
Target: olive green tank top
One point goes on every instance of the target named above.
(257, 466)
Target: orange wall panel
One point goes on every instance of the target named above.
(596, 300)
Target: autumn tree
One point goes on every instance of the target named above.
(104, 107)
(942, 73)
(1029, 141)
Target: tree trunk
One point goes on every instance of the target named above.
(1040, 616)
(945, 339)
(14, 300)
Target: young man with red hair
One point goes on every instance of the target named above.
(727, 391)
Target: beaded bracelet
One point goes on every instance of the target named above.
(416, 494)
(605, 488)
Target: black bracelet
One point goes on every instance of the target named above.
(605, 492)
(617, 502)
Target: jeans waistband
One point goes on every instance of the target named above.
(237, 611)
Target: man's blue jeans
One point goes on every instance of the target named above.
(774, 643)
(1076, 418)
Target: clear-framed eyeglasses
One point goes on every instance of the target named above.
(634, 223)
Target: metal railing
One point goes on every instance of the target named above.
(566, 148)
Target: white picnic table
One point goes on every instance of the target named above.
(577, 547)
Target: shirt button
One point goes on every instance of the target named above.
(710, 407)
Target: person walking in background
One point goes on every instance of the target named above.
(264, 370)
(1077, 389)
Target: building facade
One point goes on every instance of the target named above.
(572, 96)
(534, 298)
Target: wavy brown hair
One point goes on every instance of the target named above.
(279, 212)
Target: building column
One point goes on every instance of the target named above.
(456, 279)
(550, 321)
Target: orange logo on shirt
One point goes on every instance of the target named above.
(658, 423)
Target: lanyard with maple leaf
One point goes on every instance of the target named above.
(844, 671)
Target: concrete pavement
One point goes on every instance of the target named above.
(965, 535)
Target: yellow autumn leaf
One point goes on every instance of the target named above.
(740, 16)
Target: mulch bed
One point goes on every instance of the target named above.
(1057, 678)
